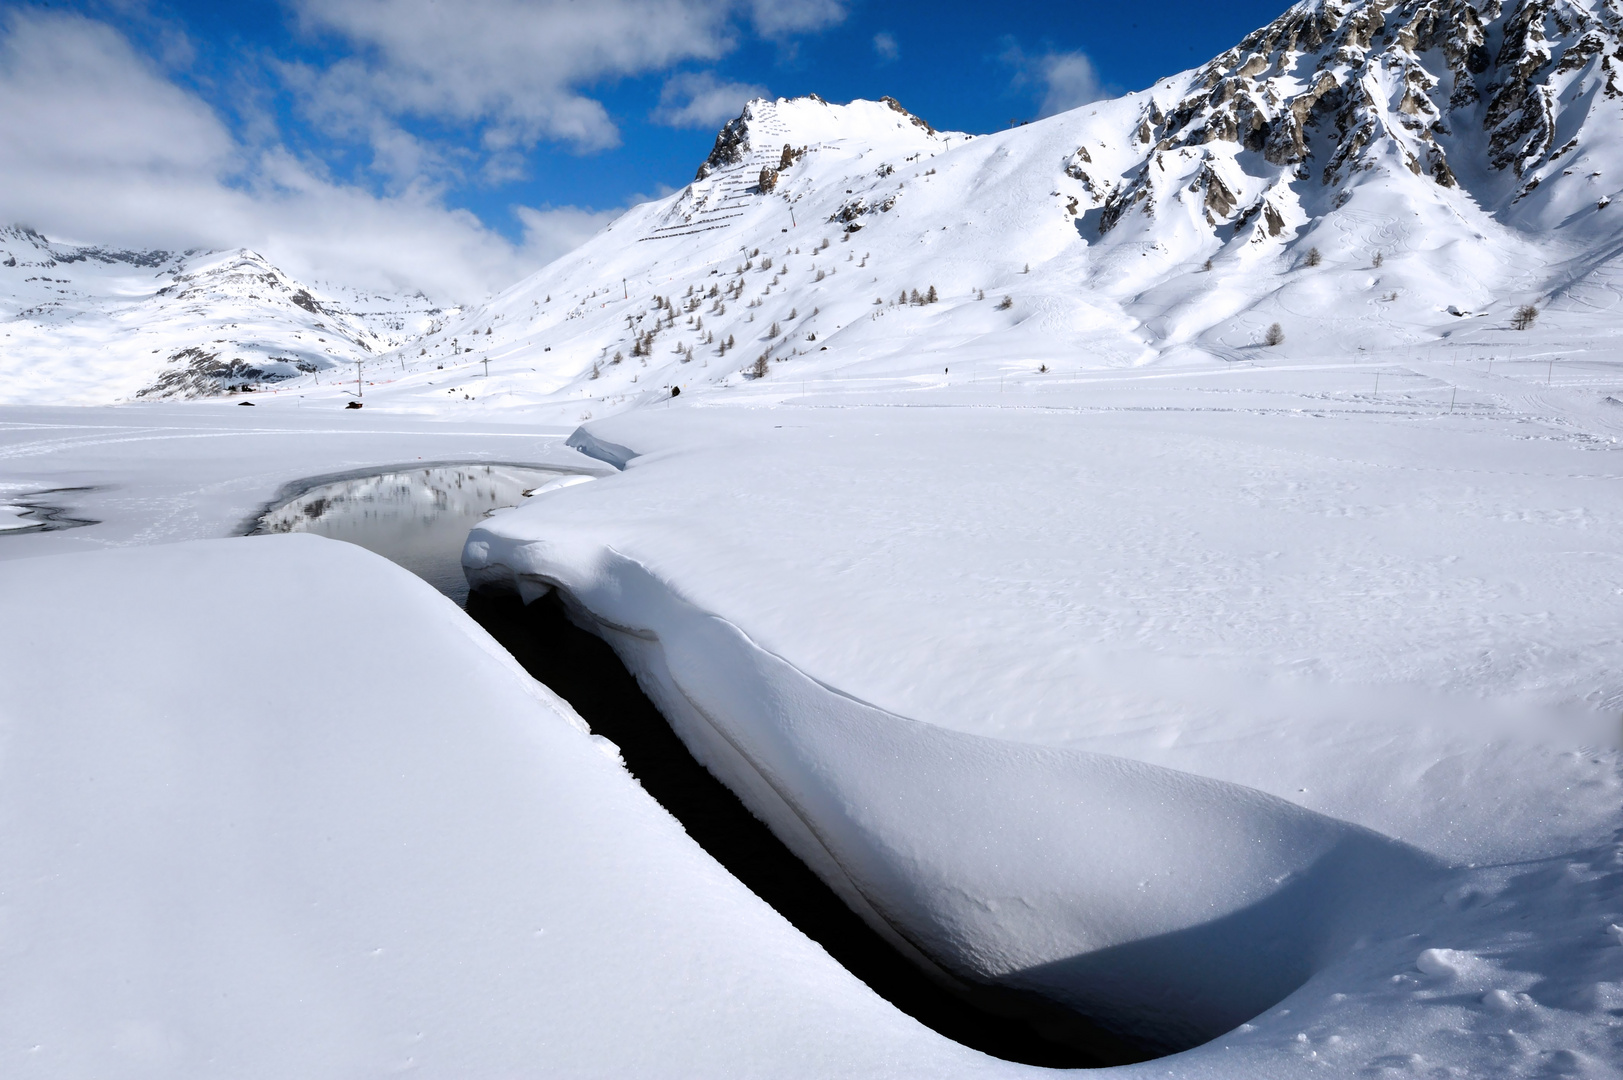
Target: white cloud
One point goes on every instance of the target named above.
(1065, 80)
(553, 231)
(780, 18)
(1069, 81)
(102, 147)
(884, 44)
(514, 67)
(700, 100)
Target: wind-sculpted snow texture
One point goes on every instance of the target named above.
(1177, 706)
(87, 325)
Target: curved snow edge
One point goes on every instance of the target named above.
(601, 449)
(1168, 906)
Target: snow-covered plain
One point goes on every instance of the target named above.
(1263, 700)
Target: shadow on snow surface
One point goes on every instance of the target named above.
(584, 670)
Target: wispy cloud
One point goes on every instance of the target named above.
(516, 69)
(885, 47)
(103, 147)
(1059, 80)
(700, 100)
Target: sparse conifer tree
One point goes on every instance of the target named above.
(1275, 336)
(1524, 317)
(930, 297)
(1313, 258)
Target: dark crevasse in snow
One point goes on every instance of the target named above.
(418, 517)
(584, 670)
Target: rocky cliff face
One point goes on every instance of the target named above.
(1331, 89)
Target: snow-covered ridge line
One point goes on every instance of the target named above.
(1354, 180)
(1168, 906)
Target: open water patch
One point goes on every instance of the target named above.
(416, 517)
(40, 511)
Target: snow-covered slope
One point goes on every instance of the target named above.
(87, 324)
(1374, 177)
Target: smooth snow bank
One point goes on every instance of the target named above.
(398, 853)
(1169, 906)
(1015, 673)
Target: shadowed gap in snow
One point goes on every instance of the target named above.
(585, 671)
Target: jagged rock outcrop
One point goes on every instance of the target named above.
(732, 144)
(915, 120)
(1330, 89)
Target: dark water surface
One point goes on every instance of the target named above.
(417, 517)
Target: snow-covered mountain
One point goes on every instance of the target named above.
(86, 324)
(1373, 177)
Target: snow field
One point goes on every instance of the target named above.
(1022, 676)
(158, 473)
(401, 854)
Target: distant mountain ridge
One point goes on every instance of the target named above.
(86, 323)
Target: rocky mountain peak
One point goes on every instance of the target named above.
(1330, 89)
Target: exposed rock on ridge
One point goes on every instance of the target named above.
(1330, 89)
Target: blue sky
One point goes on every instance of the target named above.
(523, 124)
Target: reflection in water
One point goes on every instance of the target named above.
(417, 518)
